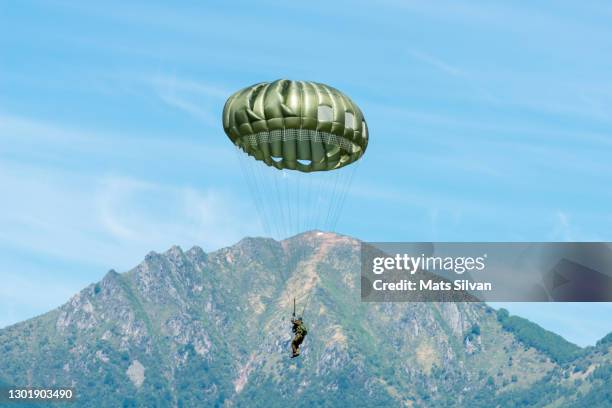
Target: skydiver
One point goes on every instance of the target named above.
(300, 332)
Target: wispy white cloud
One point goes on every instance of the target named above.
(436, 62)
(189, 86)
(151, 215)
(562, 230)
(198, 99)
(47, 143)
(112, 220)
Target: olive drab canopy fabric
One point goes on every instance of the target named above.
(296, 125)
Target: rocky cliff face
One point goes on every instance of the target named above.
(190, 329)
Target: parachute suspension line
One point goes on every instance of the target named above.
(298, 182)
(297, 187)
(256, 170)
(333, 199)
(287, 202)
(268, 179)
(293, 190)
(276, 175)
(314, 204)
(345, 192)
(282, 200)
(260, 173)
(322, 198)
(306, 205)
(290, 220)
(279, 208)
(285, 184)
(308, 209)
(306, 303)
(334, 182)
(252, 191)
(291, 224)
(310, 202)
(337, 200)
(279, 213)
(330, 198)
(319, 204)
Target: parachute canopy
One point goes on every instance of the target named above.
(296, 125)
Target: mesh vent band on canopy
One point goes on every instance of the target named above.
(300, 135)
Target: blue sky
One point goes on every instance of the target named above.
(488, 122)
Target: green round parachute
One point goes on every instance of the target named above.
(296, 125)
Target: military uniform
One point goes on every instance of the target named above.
(300, 332)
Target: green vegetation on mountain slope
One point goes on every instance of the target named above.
(529, 333)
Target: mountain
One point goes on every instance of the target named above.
(186, 329)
